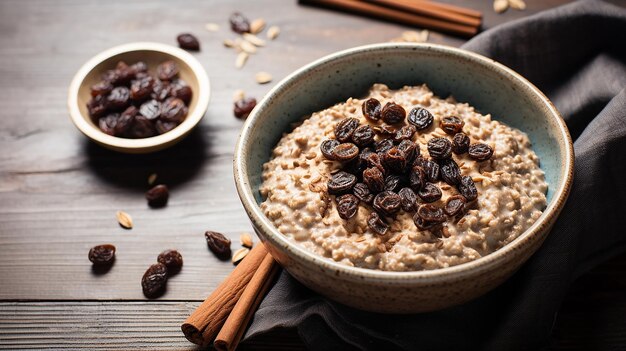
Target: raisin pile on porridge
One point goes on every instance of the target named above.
(401, 181)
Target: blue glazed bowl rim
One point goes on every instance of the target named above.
(297, 252)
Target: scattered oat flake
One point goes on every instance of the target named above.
(257, 26)
(517, 4)
(124, 219)
(253, 39)
(229, 43)
(263, 77)
(238, 95)
(240, 254)
(152, 178)
(246, 240)
(500, 5)
(241, 59)
(272, 32)
(212, 27)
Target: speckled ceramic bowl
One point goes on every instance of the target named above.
(484, 84)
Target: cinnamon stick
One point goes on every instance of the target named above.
(429, 9)
(204, 323)
(228, 338)
(396, 16)
(452, 8)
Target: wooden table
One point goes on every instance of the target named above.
(59, 192)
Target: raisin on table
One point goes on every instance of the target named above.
(243, 107)
(154, 280)
(218, 244)
(188, 42)
(239, 23)
(158, 196)
(102, 254)
(172, 259)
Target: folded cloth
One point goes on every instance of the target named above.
(576, 54)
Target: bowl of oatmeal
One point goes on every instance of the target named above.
(403, 178)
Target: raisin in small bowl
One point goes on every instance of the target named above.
(139, 97)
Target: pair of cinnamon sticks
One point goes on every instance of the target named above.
(223, 317)
(420, 13)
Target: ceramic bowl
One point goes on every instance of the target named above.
(152, 54)
(483, 83)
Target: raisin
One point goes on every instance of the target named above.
(126, 120)
(139, 67)
(417, 178)
(431, 213)
(158, 196)
(150, 109)
(341, 183)
(421, 224)
(180, 89)
(371, 109)
(451, 125)
(123, 74)
(102, 254)
(107, 124)
(362, 192)
(387, 202)
(467, 188)
(408, 199)
(383, 145)
(373, 160)
(454, 205)
(345, 152)
(172, 259)
(394, 160)
(393, 113)
(142, 128)
(363, 135)
(154, 280)
(460, 143)
(374, 179)
(429, 192)
(173, 110)
(218, 244)
(480, 151)
(404, 133)
(167, 70)
(421, 118)
(118, 99)
(160, 90)
(110, 76)
(431, 168)
(347, 206)
(410, 150)
(96, 107)
(385, 130)
(239, 23)
(243, 107)
(188, 41)
(101, 88)
(163, 127)
(392, 182)
(376, 224)
(327, 148)
(439, 148)
(345, 128)
(140, 89)
(450, 172)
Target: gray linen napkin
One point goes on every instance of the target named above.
(576, 54)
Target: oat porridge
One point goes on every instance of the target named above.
(403, 180)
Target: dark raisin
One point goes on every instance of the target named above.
(158, 196)
(355, 166)
(383, 145)
(394, 160)
(454, 205)
(387, 203)
(139, 67)
(408, 199)
(180, 89)
(439, 148)
(142, 128)
(101, 88)
(218, 244)
(421, 224)
(163, 127)
(327, 148)
(172, 259)
(385, 130)
(243, 107)
(160, 90)
(362, 192)
(154, 280)
(345, 152)
(404, 133)
(345, 128)
(96, 107)
(107, 124)
(371, 109)
(347, 206)
(188, 41)
(363, 135)
(460, 143)
(467, 188)
(410, 150)
(429, 192)
(373, 160)
(377, 224)
(118, 99)
(450, 172)
(341, 183)
(124, 74)
(431, 168)
(150, 109)
(480, 151)
(421, 118)
(374, 179)
(110, 76)
(451, 125)
(392, 182)
(173, 110)
(102, 254)
(167, 70)
(431, 213)
(140, 89)
(126, 120)
(393, 113)
(239, 23)
(417, 178)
